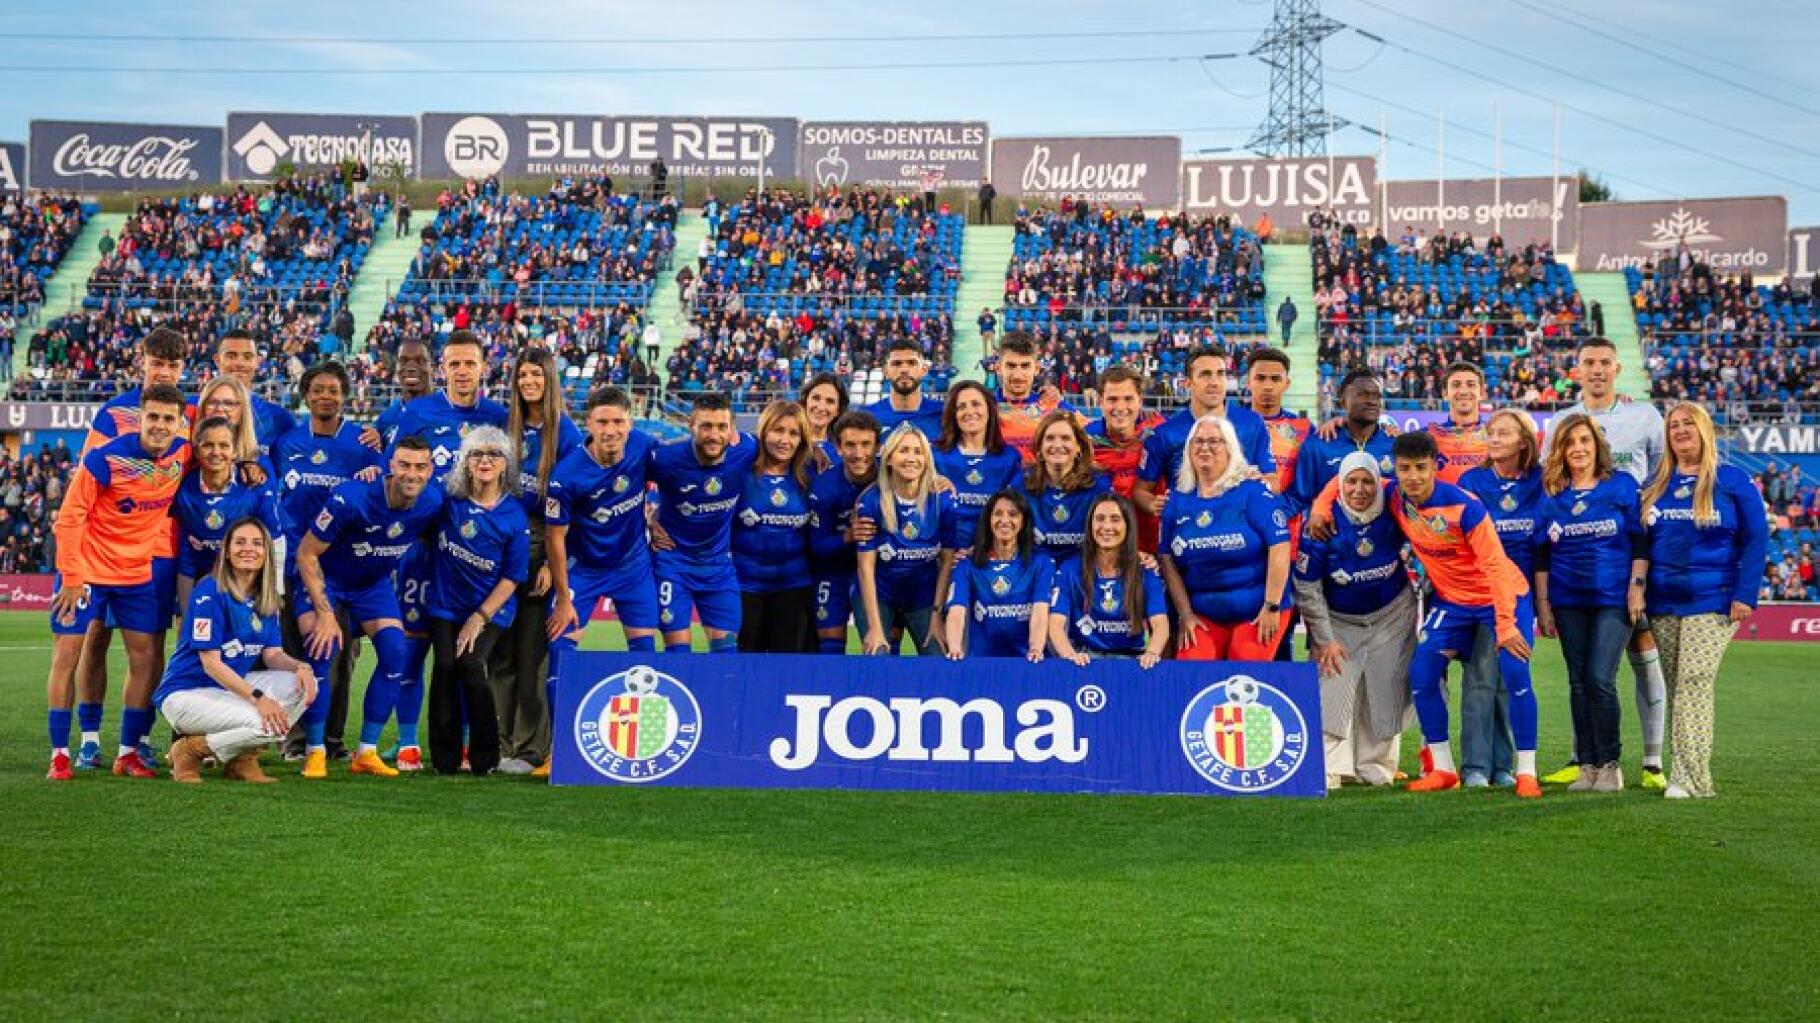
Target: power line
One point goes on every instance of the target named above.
(1572, 19)
(1584, 79)
(1665, 140)
(705, 69)
(137, 37)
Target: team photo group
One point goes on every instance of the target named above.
(463, 544)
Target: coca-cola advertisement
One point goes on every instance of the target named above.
(96, 156)
(26, 592)
(1142, 171)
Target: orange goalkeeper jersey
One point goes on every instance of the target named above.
(116, 515)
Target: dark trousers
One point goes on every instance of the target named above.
(341, 672)
(453, 681)
(777, 623)
(986, 212)
(1592, 643)
(517, 672)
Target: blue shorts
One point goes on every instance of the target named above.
(413, 579)
(629, 586)
(711, 592)
(371, 604)
(1455, 627)
(834, 600)
(85, 612)
(163, 597)
(140, 607)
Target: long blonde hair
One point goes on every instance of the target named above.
(1555, 475)
(1237, 467)
(246, 437)
(1705, 477)
(921, 488)
(264, 595)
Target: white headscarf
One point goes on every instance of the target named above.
(1361, 460)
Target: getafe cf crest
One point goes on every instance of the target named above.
(1108, 601)
(254, 623)
(909, 530)
(318, 456)
(1684, 491)
(213, 519)
(712, 486)
(1386, 466)
(1579, 508)
(464, 429)
(1243, 735)
(1203, 519)
(619, 485)
(638, 725)
(468, 529)
(778, 500)
(1364, 547)
(1060, 514)
(1508, 503)
(1001, 586)
(395, 530)
(1284, 431)
(1437, 523)
(974, 478)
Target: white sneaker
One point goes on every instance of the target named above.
(513, 765)
(1611, 779)
(1676, 792)
(1589, 779)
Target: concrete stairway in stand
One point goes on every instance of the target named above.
(985, 254)
(387, 265)
(1613, 296)
(65, 287)
(666, 306)
(1288, 272)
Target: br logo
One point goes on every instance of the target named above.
(1244, 735)
(638, 725)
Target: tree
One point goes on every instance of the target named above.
(1594, 188)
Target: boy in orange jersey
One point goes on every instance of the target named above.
(1475, 584)
(1460, 441)
(114, 523)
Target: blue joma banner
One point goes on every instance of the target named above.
(817, 722)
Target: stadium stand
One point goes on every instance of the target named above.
(1407, 309)
(36, 231)
(1748, 352)
(277, 260)
(31, 490)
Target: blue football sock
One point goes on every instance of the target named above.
(88, 717)
(410, 690)
(134, 723)
(641, 644)
(60, 728)
(316, 715)
(393, 651)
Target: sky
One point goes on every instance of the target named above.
(1662, 99)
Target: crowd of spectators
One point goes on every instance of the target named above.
(592, 345)
(1748, 352)
(753, 355)
(31, 490)
(865, 251)
(1408, 308)
(1084, 263)
(36, 231)
(278, 260)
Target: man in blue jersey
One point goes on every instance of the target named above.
(346, 562)
(310, 461)
(237, 356)
(834, 530)
(1207, 368)
(905, 369)
(445, 417)
(699, 481)
(1361, 397)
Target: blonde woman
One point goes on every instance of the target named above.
(903, 568)
(213, 694)
(225, 397)
(1708, 541)
(1224, 549)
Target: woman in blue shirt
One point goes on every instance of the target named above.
(212, 496)
(230, 689)
(1708, 541)
(481, 555)
(904, 564)
(1106, 602)
(540, 426)
(1061, 483)
(1591, 564)
(971, 453)
(998, 604)
(1224, 547)
(824, 400)
(771, 538)
(1354, 594)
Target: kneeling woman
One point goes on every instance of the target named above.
(998, 605)
(213, 695)
(1224, 546)
(1354, 593)
(1106, 602)
(482, 555)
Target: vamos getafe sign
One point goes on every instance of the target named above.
(99, 156)
(1118, 171)
(894, 154)
(259, 142)
(1731, 235)
(787, 721)
(1524, 210)
(567, 145)
(1288, 190)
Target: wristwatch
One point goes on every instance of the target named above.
(1272, 606)
(258, 694)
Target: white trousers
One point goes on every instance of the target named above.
(227, 722)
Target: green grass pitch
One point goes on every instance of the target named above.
(498, 898)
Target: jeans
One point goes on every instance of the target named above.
(1592, 642)
(1485, 742)
(914, 621)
